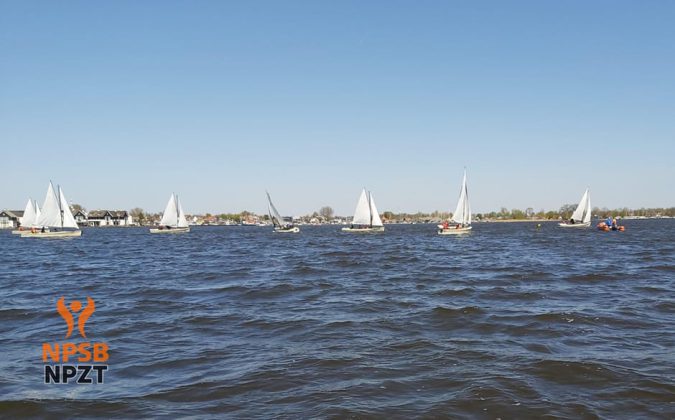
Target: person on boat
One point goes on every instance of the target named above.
(608, 221)
(571, 222)
(446, 224)
(42, 230)
(615, 225)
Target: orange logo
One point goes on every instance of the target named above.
(74, 361)
(75, 307)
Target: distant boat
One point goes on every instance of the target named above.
(173, 219)
(366, 218)
(461, 218)
(280, 225)
(30, 217)
(55, 220)
(581, 217)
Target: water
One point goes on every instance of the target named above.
(508, 322)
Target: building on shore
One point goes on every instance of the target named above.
(97, 218)
(10, 219)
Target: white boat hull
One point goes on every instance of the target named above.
(57, 234)
(172, 230)
(576, 225)
(294, 229)
(454, 230)
(373, 229)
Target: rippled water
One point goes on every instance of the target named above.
(508, 322)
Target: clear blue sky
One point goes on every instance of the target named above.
(123, 102)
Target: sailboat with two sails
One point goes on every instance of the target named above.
(581, 217)
(280, 225)
(461, 218)
(366, 218)
(31, 214)
(173, 218)
(55, 220)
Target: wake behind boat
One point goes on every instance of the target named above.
(55, 220)
(366, 218)
(173, 218)
(581, 218)
(280, 225)
(461, 218)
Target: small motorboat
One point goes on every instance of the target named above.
(606, 228)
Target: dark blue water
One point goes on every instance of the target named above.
(508, 322)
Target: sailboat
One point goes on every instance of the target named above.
(55, 220)
(366, 218)
(30, 216)
(461, 218)
(173, 219)
(280, 225)
(581, 217)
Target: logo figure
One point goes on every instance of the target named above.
(75, 307)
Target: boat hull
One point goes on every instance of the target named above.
(294, 229)
(47, 235)
(172, 230)
(454, 230)
(374, 229)
(576, 225)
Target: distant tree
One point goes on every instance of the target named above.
(138, 215)
(517, 214)
(388, 215)
(566, 210)
(326, 212)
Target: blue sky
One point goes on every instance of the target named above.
(124, 102)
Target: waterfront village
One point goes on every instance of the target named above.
(11, 219)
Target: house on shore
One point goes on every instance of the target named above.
(104, 218)
(10, 219)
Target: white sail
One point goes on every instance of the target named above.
(362, 211)
(375, 220)
(578, 214)
(67, 219)
(182, 221)
(51, 211)
(170, 216)
(29, 215)
(462, 214)
(276, 218)
(37, 213)
(589, 209)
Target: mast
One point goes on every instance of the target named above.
(370, 209)
(177, 211)
(60, 205)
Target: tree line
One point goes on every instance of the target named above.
(327, 214)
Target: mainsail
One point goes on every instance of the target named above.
(276, 218)
(362, 212)
(51, 210)
(462, 214)
(170, 216)
(583, 210)
(29, 214)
